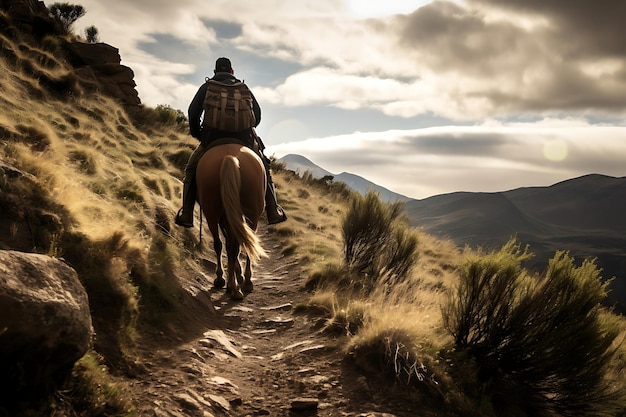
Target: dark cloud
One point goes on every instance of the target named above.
(466, 144)
(585, 27)
(449, 36)
(557, 64)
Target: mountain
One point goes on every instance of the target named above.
(300, 165)
(582, 215)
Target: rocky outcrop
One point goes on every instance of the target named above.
(45, 324)
(101, 64)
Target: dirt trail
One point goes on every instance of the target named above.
(258, 358)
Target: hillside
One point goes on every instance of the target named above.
(581, 215)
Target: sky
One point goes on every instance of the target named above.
(421, 97)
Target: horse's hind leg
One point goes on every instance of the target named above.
(232, 286)
(238, 273)
(247, 283)
(219, 269)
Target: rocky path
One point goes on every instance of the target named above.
(259, 358)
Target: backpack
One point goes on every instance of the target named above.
(228, 107)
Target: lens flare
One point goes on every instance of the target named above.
(555, 150)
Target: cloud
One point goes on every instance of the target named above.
(407, 72)
(582, 28)
(529, 59)
(463, 60)
(492, 157)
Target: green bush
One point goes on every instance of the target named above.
(376, 238)
(545, 335)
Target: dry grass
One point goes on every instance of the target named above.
(313, 231)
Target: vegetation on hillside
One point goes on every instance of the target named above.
(471, 333)
(487, 337)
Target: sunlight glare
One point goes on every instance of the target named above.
(555, 150)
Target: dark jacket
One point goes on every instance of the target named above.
(196, 108)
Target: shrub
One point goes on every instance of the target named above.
(91, 34)
(146, 118)
(92, 392)
(66, 14)
(376, 238)
(543, 335)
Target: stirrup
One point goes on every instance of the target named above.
(179, 221)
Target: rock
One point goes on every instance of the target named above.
(304, 404)
(93, 54)
(186, 401)
(220, 401)
(220, 337)
(199, 398)
(45, 325)
(100, 63)
(280, 307)
(278, 321)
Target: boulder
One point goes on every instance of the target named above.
(45, 324)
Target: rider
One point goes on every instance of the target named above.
(223, 73)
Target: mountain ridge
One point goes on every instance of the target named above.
(300, 164)
(580, 215)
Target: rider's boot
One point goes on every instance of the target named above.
(184, 217)
(275, 213)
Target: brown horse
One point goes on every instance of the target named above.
(231, 189)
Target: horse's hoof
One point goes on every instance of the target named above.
(236, 295)
(219, 283)
(248, 287)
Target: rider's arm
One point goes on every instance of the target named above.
(195, 111)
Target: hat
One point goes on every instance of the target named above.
(223, 65)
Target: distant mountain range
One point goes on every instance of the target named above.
(300, 165)
(583, 215)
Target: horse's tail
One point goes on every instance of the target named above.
(230, 190)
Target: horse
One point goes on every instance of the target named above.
(231, 184)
